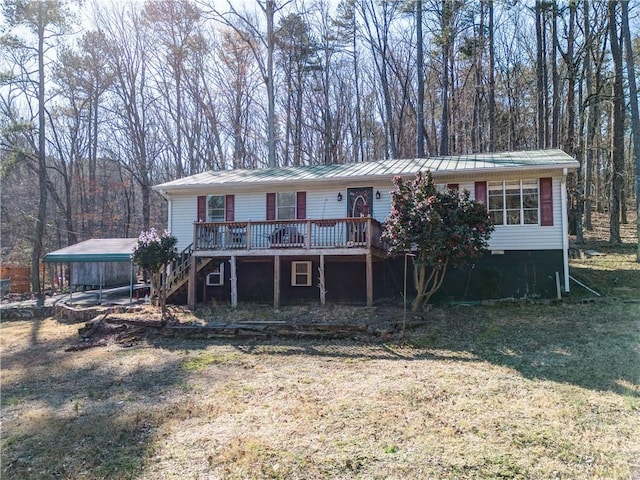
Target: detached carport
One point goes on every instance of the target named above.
(99, 251)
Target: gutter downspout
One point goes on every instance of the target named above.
(565, 228)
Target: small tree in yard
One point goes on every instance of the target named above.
(442, 229)
(153, 253)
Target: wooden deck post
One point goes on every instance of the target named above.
(322, 285)
(234, 282)
(369, 263)
(276, 281)
(191, 289)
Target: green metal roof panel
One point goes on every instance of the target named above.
(95, 250)
(384, 169)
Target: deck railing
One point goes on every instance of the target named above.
(362, 232)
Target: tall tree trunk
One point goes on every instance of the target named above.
(570, 140)
(420, 73)
(492, 81)
(447, 15)
(555, 79)
(93, 160)
(378, 38)
(635, 117)
(540, 74)
(269, 10)
(477, 135)
(42, 159)
(617, 128)
(594, 57)
(360, 156)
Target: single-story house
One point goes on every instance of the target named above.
(312, 233)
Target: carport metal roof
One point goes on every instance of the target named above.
(95, 250)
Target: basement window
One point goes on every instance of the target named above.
(301, 274)
(216, 277)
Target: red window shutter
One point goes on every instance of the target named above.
(229, 208)
(301, 205)
(202, 208)
(453, 186)
(271, 206)
(481, 192)
(546, 202)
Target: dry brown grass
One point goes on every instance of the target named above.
(617, 272)
(532, 392)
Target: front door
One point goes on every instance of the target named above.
(358, 205)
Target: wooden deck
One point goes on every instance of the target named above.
(340, 236)
(275, 239)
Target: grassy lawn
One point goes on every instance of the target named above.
(520, 392)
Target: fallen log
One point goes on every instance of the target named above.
(92, 325)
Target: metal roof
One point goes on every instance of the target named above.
(479, 163)
(95, 250)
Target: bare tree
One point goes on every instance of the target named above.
(248, 30)
(420, 78)
(377, 26)
(235, 78)
(175, 27)
(635, 117)
(616, 126)
(346, 25)
(540, 73)
(492, 78)
(45, 20)
(296, 58)
(134, 139)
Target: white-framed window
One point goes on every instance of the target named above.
(301, 274)
(286, 206)
(216, 277)
(215, 208)
(514, 202)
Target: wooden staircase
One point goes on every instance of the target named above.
(179, 271)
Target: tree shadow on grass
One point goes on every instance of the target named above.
(93, 421)
(594, 346)
(591, 346)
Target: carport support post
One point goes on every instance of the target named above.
(101, 278)
(234, 282)
(130, 283)
(191, 290)
(70, 281)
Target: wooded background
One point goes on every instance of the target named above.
(100, 101)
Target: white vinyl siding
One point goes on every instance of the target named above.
(184, 211)
(324, 204)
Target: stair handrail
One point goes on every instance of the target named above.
(179, 268)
